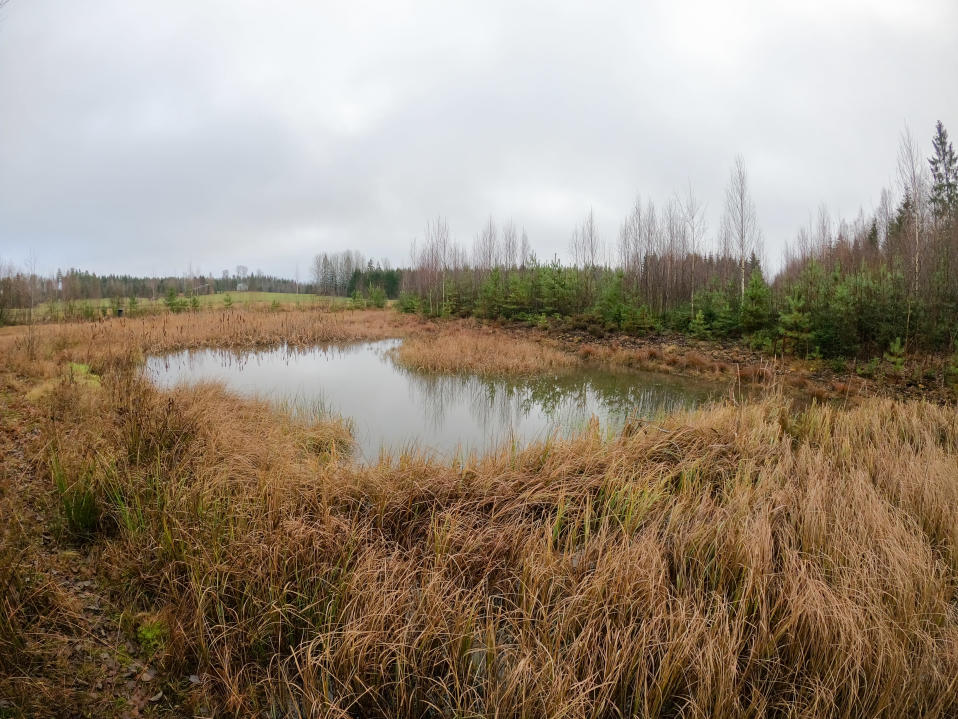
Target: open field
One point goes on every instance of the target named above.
(255, 298)
(91, 309)
(194, 553)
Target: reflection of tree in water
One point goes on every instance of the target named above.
(492, 403)
(625, 395)
(567, 401)
(226, 359)
(498, 409)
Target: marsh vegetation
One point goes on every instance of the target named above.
(742, 559)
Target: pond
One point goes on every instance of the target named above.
(393, 408)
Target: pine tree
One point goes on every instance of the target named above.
(756, 304)
(795, 325)
(697, 327)
(944, 173)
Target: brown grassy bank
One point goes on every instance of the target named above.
(482, 350)
(737, 561)
(453, 345)
(240, 329)
(446, 346)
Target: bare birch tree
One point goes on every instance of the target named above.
(823, 237)
(914, 181)
(525, 250)
(883, 216)
(486, 250)
(510, 245)
(693, 214)
(740, 223)
(591, 249)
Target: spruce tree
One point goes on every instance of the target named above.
(944, 173)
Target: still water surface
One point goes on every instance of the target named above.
(394, 408)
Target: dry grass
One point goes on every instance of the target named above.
(482, 351)
(669, 358)
(241, 329)
(449, 347)
(736, 561)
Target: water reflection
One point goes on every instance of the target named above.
(394, 408)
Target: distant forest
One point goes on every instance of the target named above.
(880, 283)
(339, 274)
(883, 282)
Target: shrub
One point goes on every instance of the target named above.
(951, 371)
(698, 328)
(173, 302)
(895, 355)
(613, 305)
(762, 341)
(638, 321)
(757, 304)
(838, 364)
(870, 369)
(408, 303)
(794, 325)
(377, 297)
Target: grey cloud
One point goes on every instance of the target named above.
(140, 138)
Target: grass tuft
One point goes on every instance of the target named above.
(79, 505)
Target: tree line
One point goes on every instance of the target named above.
(337, 274)
(847, 288)
(348, 273)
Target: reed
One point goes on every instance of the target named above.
(743, 560)
(107, 340)
(484, 351)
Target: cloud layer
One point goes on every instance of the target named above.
(152, 138)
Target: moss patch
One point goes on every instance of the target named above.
(74, 372)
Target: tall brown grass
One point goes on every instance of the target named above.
(449, 347)
(239, 329)
(749, 560)
(737, 561)
(481, 351)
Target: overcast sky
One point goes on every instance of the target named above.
(150, 137)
